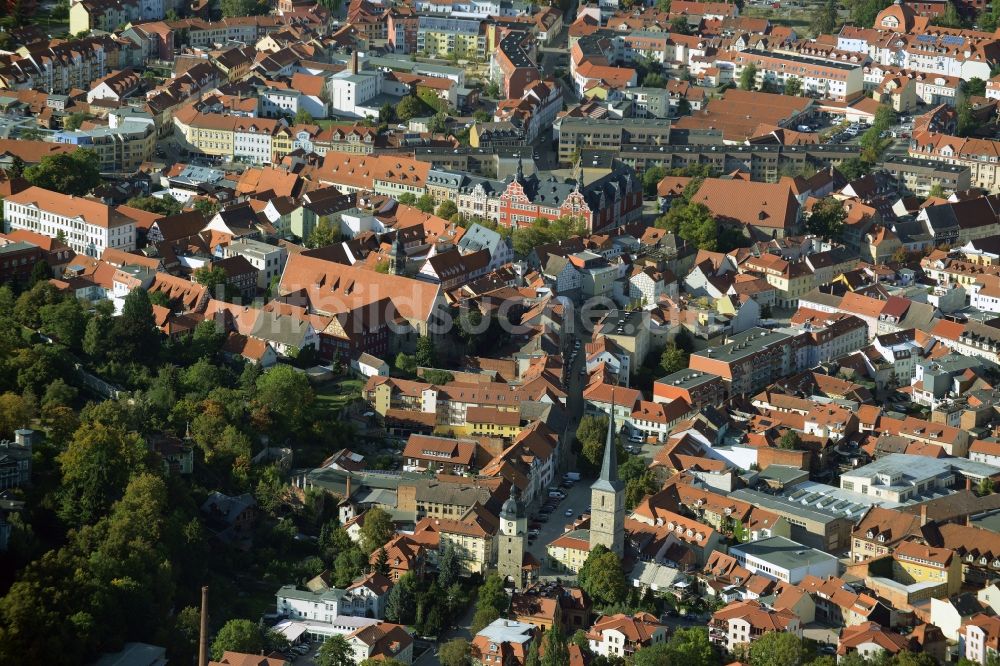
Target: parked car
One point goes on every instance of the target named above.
(569, 512)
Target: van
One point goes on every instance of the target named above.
(805, 128)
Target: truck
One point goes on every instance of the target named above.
(572, 476)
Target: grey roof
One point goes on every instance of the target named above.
(687, 379)
(783, 473)
(783, 553)
(608, 480)
(744, 344)
(508, 631)
(478, 237)
(786, 505)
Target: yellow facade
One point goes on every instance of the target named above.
(908, 571)
(445, 44)
(474, 553)
(570, 559)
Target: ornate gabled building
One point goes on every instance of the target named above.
(610, 201)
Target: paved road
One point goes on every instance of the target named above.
(578, 499)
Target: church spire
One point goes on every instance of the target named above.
(608, 480)
(579, 183)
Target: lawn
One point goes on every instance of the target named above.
(333, 396)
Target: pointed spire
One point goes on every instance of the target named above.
(579, 176)
(608, 480)
(519, 177)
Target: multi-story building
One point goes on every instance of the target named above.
(696, 388)
(473, 537)
(920, 175)
(742, 622)
(121, 148)
(621, 635)
(269, 260)
(901, 477)
(365, 597)
(822, 78)
(463, 38)
(914, 562)
(749, 361)
(610, 201)
(107, 15)
(88, 226)
(579, 134)
(812, 526)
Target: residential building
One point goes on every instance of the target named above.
(621, 635)
(743, 622)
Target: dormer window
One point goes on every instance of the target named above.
(881, 537)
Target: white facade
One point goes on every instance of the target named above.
(349, 92)
(796, 561)
(84, 232)
(252, 144)
(269, 260)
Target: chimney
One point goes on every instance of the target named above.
(354, 62)
(203, 637)
(923, 515)
(968, 483)
(347, 492)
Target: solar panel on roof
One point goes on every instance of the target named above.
(952, 39)
(797, 494)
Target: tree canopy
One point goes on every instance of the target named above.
(74, 173)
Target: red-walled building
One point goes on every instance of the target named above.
(610, 201)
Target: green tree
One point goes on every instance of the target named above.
(323, 233)
(691, 647)
(96, 468)
(238, 636)
(407, 198)
(66, 322)
(410, 107)
(825, 20)
(446, 209)
(335, 651)
(165, 205)
(651, 177)
(673, 359)
(425, 204)
(907, 658)
(40, 272)
(426, 354)
(377, 529)
(73, 121)
(134, 332)
(601, 577)
(976, 87)
(592, 433)
(399, 605)
(15, 412)
(449, 568)
(533, 659)
(406, 363)
(555, 652)
(286, 393)
(692, 222)
(748, 77)
(950, 18)
(638, 488)
(986, 486)
(966, 124)
(937, 191)
(827, 218)
(793, 86)
(303, 117)
(74, 173)
(207, 207)
(777, 648)
(854, 168)
(234, 8)
(491, 603)
(790, 440)
(455, 652)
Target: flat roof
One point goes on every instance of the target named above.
(785, 505)
(687, 379)
(744, 344)
(783, 553)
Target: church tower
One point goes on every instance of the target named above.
(607, 498)
(510, 548)
(397, 256)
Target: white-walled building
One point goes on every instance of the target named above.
(89, 226)
(785, 560)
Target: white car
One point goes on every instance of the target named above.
(569, 512)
